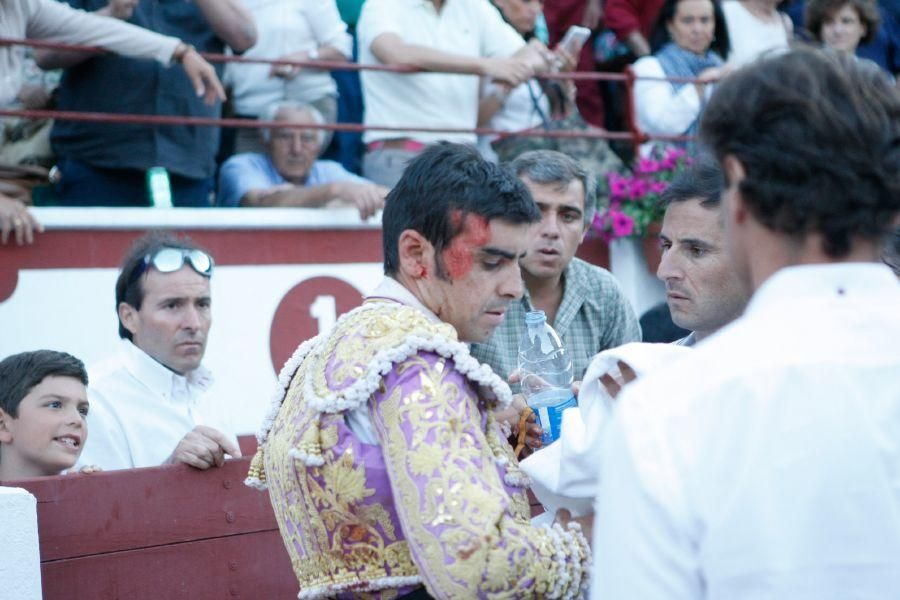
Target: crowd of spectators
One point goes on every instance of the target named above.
(481, 62)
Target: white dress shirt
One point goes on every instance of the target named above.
(767, 463)
(140, 410)
(471, 28)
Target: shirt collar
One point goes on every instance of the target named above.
(160, 379)
(805, 283)
(392, 289)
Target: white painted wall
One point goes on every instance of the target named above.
(20, 568)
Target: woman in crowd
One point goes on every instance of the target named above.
(690, 40)
(842, 25)
(298, 30)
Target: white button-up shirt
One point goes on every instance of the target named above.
(140, 410)
(767, 463)
(471, 28)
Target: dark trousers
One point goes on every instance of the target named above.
(84, 185)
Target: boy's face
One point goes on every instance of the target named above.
(50, 431)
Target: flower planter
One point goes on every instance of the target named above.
(651, 247)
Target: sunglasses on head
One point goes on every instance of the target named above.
(169, 260)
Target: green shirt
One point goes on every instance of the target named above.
(594, 315)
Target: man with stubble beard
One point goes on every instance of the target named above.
(583, 302)
(150, 403)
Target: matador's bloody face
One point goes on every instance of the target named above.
(481, 275)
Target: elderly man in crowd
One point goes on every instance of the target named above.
(384, 464)
(290, 174)
(106, 165)
(151, 402)
(461, 38)
(703, 291)
(583, 302)
(764, 464)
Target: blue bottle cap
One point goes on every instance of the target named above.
(535, 317)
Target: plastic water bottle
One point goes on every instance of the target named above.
(546, 371)
(159, 188)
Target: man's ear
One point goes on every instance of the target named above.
(735, 173)
(417, 259)
(128, 316)
(5, 432)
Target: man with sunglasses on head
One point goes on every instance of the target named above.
(150, 403)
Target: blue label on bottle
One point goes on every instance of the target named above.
(549, 406)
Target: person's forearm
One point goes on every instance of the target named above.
(231, 22)
(331, 53)
(395, 51)
(637, 43)
(296, 197)
(63, 59)
(490, 105)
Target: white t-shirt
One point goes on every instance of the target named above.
(472, 28)
(140, 410)
(751, 37)
(287, 26)
(766, 464)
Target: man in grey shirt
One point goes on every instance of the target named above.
(583, 302)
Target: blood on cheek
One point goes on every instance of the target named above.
(459, 256)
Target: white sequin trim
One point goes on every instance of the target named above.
(308, 459)
(383, 583)
(359, 392)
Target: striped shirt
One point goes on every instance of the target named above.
(594, 315)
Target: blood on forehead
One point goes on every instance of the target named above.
(474, 232)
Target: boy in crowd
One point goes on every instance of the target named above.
(43, 410)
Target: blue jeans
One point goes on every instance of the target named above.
(85, 185)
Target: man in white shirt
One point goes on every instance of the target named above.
(461, 39)
(703, 291)
(149, 403)
(766, 463)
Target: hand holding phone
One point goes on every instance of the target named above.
(574, 39)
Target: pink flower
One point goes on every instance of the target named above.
(648, 165)
(622, 224)
(618, 186)
(639, 189)
(658, 187)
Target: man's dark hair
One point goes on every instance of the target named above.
(19, 374)
(130, 289)
(819, 139)
(439, 188)
(702, 180)
(550, 167)
(816, 12)
(659, 37)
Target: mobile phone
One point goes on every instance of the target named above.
(574, 39)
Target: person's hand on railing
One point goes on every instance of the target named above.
(203, 447)
(202, 74)
(511, 71)
(17, 220)
(366, 197)
(711, 75)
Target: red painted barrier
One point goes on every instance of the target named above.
(164, 532)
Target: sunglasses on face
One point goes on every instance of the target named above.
(169, 260)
